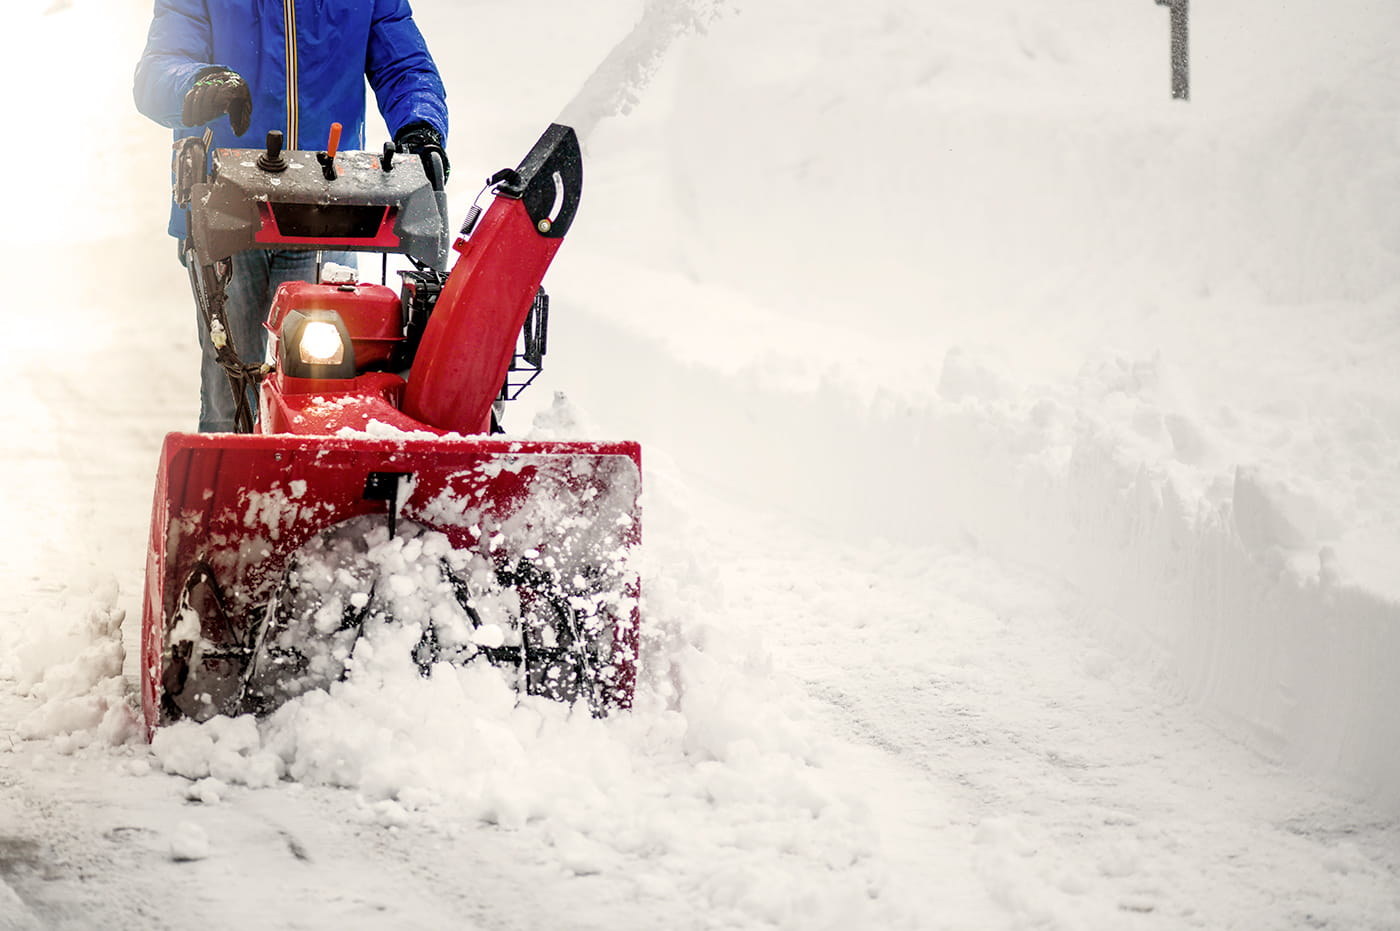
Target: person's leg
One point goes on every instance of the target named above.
(301, 266)
(245, 307)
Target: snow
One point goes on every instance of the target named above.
(189, 843)
(1020, 517)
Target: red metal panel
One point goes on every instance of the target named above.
(325, 407)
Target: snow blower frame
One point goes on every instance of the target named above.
(261, 572)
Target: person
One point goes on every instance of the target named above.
(245, 67)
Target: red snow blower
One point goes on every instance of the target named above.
(369, 488)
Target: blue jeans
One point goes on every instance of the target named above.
(256, 275)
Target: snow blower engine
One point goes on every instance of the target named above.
(369, 490)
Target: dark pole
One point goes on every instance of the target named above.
(1181, 62)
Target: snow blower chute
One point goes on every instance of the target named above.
(370, 487)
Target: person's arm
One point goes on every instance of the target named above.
(178, 48)
(404, 78)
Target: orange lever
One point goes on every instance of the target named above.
(334, 142)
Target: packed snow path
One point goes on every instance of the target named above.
(1077, 794)
(888, 687)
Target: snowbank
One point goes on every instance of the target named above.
(71, 665)
(1002, 290)
(1206, 589)
(1213, 580)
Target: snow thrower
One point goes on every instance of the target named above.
(370, 489)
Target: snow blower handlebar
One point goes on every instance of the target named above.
(328, 200)
(240, 200)
(358, 201)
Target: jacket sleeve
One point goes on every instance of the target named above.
(405, 80)
(178, 47)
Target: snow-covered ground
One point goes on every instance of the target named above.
(1022, 529)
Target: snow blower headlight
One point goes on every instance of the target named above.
(320, 343)
(316, 344)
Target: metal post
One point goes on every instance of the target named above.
(1181, 70)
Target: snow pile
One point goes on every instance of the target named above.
(75, 673)
(347, 585)
(189, 842)
(708, 774)
(376, 429)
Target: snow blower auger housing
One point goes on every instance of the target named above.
(370, 489)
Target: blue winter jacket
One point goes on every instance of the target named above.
(301, 59)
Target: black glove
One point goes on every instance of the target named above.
(421, 139)
(217, 91)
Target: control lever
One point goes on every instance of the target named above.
(327, 158)
(272, 159)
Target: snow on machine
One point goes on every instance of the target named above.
(370, 487)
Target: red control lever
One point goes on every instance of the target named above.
(327, 158)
